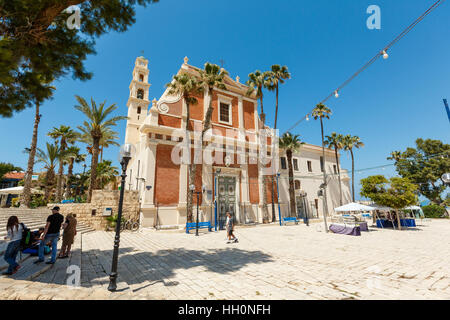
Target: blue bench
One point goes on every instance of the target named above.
(201, 225)
(290, 219)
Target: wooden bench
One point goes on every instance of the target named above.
(201, 225)
(290, 219)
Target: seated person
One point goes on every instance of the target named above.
(34, 248)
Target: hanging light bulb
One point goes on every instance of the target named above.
(385, 55)
(307, 117)
(336, 94)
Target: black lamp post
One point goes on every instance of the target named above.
(126, 153)
(192, 188)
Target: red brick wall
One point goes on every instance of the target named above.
(169, 121)
(249, 115)
(269, 190)
(234, 110)
(196, 110)
(167, 177)
(253, 183)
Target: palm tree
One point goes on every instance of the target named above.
(66, 136)
(49, 158)
(74, 156)
(212, 76)
(322, 112)
(98, 118)
(109, 138)
(336, 141)
(351, 142)
(106, 173)
(276, 77)
(291, 143)
(187, 86)
(257, 81)
(39, 97)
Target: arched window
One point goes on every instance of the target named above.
(141, 78)
(297, 185)
(138, 110)
(140, 94)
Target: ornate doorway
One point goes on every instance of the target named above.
(227, 199)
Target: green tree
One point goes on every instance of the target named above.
(63, 136)
(275, 77)
(187, 86)
(74, 156)
(291, 143)
(98, 118)
(351, 142)
(257, 81)
(335, 141)
(323, 112)
(425, 165)
(109, 138)
(49, 158)
(8, 167)
(106, 173)
(38, 95)
(36, 43)
(396, 192)
(211, 77)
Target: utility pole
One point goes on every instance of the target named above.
(447, 108)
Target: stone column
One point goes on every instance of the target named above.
(149, 172)
(241, 113)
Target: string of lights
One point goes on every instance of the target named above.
(382, 53)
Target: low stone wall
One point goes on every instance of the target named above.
(92, 213)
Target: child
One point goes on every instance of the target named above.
(230, 226)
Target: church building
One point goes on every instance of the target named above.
(237, 158)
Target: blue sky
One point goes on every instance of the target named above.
(322, 42)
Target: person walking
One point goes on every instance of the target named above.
(14, 231)
(51, 234)
(229, 224)
(70, 231)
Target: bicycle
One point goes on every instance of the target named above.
(131, 225)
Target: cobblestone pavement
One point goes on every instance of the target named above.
(269, 262)
(273, 262)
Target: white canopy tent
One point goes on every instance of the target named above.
(17, 190)
(354, 207)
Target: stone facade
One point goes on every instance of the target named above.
(92, 213)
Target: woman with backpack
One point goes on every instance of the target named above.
(14, 229)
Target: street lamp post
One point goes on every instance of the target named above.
(126, 153)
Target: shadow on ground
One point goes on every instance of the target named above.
(138, 267)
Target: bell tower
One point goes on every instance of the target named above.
(138, 100)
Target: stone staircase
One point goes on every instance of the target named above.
(33, 219)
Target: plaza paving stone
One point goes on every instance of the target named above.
(272, 262)
(269, 262)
